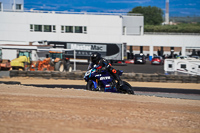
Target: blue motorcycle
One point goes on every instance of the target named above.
(104, 81)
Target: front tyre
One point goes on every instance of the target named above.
(126, 88)
(90, 86)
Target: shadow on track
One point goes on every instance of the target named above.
(141, 89)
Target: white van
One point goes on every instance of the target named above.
(182, 67)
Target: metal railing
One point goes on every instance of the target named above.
(66, 12)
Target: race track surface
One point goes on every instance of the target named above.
(129, 68)
(29, 109)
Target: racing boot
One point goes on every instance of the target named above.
(120, 82)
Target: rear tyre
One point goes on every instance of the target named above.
(67, 66)
(90, 86)
(26, 68)
(59, 66)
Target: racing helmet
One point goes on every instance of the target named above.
(95, 57)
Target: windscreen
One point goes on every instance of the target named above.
(56, 55)
(27, 54)
(139, 57)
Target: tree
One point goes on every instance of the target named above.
(152, 15)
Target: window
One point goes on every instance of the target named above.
(47, 28)
(73, 29)
(62, 29)
(183, 65)
(170, 65)
(78, 29)
(31, 27)
(18, 7)
(42, 28)
(38, 28)
(85, 29)
(69, 29)
(54, 28)
(0, 6)
(124, 30)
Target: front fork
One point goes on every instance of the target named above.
(96, 85)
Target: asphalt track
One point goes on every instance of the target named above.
(159, 92)
(136, 68)
(128, 68)
(148, 91)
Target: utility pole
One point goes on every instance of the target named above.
(167, 12)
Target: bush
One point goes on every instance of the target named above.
(180, 28)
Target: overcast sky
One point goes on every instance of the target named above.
(176, 7)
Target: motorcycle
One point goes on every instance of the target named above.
(104, 81)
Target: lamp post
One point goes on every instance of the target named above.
(14, 7)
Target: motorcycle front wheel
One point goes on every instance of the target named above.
(90, 86)
(126, 88)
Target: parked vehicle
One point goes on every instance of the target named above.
(54, 61)
(23, 62)
(4, 64)
(139, 59)
(129, 61)
(103, 81)
(182, 57)
(188, 66)
(157, 60)
(196, 57)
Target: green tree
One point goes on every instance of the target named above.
(152, 15)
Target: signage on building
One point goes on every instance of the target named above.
(86, 49)
(109, 51)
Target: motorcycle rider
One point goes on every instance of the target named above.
(96, 59)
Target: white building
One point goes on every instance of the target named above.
(14, 5)
(23, 27)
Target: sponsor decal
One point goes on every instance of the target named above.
(105, 78)
(87, 47)
(98, 75)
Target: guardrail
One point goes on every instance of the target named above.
(67, 12)
(137, 77)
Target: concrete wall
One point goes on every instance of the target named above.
(126, 76)
(134, 25)
(183, 41)
(15, 27)
(9, 54)
(100, 28)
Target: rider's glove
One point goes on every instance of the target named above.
(98, 70)
(103, 68)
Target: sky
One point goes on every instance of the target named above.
(176, 7)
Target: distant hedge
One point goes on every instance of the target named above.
(180, 28)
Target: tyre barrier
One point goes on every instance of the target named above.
(137, 77)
